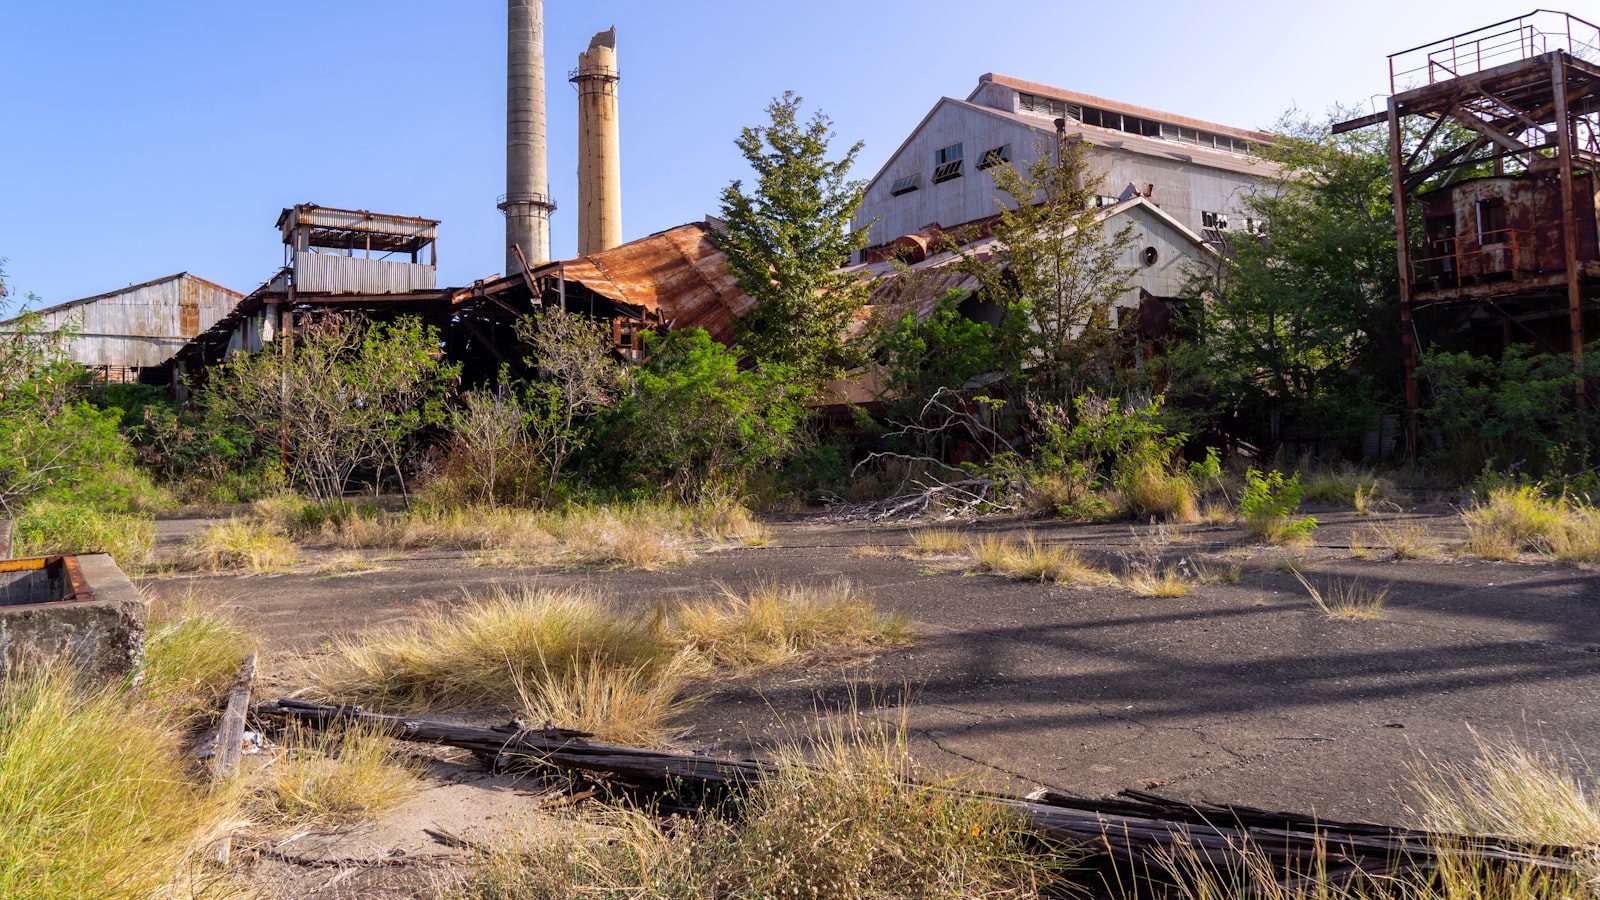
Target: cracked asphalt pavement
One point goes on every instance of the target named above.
(1239, 692)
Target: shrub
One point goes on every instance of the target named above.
(1267, 508)
(1106, 445)
(48, 527)
(1512, 411)
(695, 423)
(94, 794)
(347, 398)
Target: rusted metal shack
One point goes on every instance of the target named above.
(1508, 248)
(373, 265)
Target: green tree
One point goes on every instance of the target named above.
(1301, 316)
(578, 376)
(1057, 271)
(786, 240)
(345, 397)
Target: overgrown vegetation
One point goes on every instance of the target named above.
(849, 814)
(616, 670)
(1510, 521)
(94, 793)
(330, 776)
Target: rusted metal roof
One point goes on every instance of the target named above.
(678, 275)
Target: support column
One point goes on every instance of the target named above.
(1402, 251)
(1569, 224)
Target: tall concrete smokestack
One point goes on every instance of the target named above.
(527, 201)
(599, 148)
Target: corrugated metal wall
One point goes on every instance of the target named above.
(143, 325)
(319, 273)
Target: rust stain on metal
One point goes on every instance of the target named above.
(75, 579)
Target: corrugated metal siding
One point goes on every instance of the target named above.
(143, 325)
(1185, 189)
(324, 273)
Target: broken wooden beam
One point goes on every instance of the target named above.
(1135, 827)
(230, 739)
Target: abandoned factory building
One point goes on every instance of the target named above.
(1197, 172)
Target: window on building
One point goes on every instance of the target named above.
(995, 156)
(1254, 225)
(1045, 106)
(947, 163)
(905, 185)
(1214, 220)
(1493, 226)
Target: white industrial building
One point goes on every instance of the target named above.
(1196, 172)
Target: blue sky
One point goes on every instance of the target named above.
(147, 138)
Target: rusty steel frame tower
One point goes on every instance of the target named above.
(1523, 99)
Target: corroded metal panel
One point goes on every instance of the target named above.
(678, 275)
(325, 273)
(140, 325)
(1502, 227)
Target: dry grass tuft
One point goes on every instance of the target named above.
(348, 565)
(478, 654)
(1512, 791)
(1153, 490)
(1349, 601)
(1030, 560)
(870, 551)
(936, 542)
(1512, 521)
(844, 817)
(332, 776)
(573, 659)
(771, 625)
(1405, 540)
(239, 545)
(1170, 581)
(635, 706)
(1217, 571)
(192, 651)
(95, 794)
(1215, 512)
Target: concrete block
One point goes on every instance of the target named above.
(79, 608)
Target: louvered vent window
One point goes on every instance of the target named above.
(947, 164)
(905, 185)
(995, 156)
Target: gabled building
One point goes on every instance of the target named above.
(122, 332)
(1196, 172)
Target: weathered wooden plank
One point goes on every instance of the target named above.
(1136, 827)
(230, 739)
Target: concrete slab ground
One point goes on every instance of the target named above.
(1237, 692)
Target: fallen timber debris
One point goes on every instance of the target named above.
(1135, 828)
